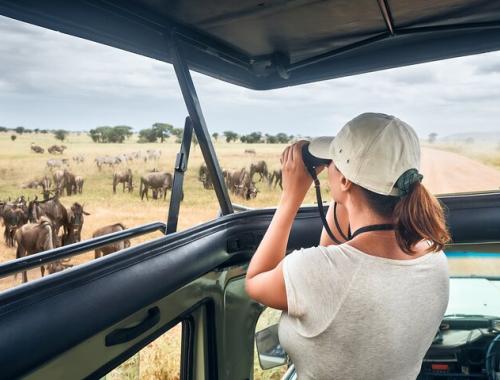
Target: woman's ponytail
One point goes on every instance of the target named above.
(418, 216)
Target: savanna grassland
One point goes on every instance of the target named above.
(446, 169)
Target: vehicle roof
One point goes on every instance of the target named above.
(265, 44)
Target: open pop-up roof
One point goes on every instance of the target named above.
(265, 44)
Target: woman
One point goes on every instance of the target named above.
(368, 308)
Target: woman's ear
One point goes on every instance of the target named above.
(345, 184)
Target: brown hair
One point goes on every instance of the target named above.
(416, 216)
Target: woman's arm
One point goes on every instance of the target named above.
(264, 279)
(343, 220)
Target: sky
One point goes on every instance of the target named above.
(50, 80)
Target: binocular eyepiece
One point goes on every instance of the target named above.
(311, 162)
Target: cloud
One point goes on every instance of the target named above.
(51, 80)
(489, 68)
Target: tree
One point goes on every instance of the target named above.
(13, 137)
(147, 135)
(177, 132)
(432, 137)
(106, 134)
(252, 138)
(119, 133)
(44, 131)
(163, 130)
(3, 129)
(283, 138)
(215, 135)
(19, 130)
(230, 136)
(60, 134)
(270, 139)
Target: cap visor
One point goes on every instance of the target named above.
(320, 147)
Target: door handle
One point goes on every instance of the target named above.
(126, 334)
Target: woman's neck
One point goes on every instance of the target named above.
(362, 216)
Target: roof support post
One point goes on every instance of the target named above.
(199, 125)
(177, 194)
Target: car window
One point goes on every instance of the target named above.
(160, 359)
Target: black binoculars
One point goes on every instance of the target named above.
(311, 162)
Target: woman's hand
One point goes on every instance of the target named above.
(296, 179)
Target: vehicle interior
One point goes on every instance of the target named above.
(114, 306)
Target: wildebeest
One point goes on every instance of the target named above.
(160, 181)
(250, 151)
(153, 154)
(56, 163)
(276, 178)
(260, 168)
(73, 224)
(31, 184)
(58, 266)
(79, 158)
(240, 182)
(79, 184)
(14, 215)
(52, 208)
(69, 182)
(107, 160)
(124, 177)
(204, 177)
(59, 178)
(37, 148)
(59, 149)
(114, 247)
(245, 187)
(33, 238)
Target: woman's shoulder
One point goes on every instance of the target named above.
(327, 257)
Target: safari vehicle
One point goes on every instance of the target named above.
(84, 322)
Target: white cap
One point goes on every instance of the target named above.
(372, 150)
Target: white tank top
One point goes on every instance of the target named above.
(356, 316)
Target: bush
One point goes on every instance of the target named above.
(60, 134)
(13, 137)
(147, 136)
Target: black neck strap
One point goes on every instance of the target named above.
(373, 227)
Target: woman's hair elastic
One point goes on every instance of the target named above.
(406, 180)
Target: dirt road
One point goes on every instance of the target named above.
(447, 172)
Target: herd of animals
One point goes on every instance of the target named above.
(38, 225)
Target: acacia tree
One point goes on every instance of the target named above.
(163, 130)
(106, 134)
(230, 136)
(432, 137)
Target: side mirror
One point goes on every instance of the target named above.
(271, 354)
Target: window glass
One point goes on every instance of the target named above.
(159, 360)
